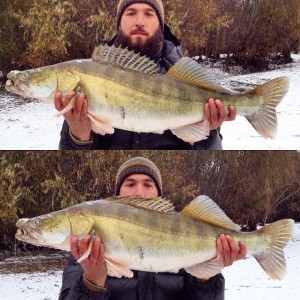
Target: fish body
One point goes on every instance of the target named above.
(127, 91)
(148, 235)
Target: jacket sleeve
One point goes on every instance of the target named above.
(66, 142)
(213, 289)
(72, 286)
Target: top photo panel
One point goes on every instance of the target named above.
(149, 75)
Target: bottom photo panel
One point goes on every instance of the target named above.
(161, 225)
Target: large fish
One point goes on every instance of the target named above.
(127, 91)
(148, 235)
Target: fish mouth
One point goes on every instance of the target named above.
(17, 87)
(16, 84)
(29, 234)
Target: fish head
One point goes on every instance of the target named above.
(40, 83)
(51, 230)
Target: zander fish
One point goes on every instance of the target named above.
(148, 235)
(127, 91)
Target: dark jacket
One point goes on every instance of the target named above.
(143, 286)
(125, 140)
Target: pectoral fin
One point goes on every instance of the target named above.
(68, 107)
(116, 270)
(88, 251)
(194, 132)
(206, 269)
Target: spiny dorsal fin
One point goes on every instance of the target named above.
(124, 58)
(188, 70)
(204, 209)
(158, 204)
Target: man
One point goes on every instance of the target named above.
(89, 280)
(141, 28)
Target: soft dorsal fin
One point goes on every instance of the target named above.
(188, 70)
(124, 58)
(158, 204)
(204, 209)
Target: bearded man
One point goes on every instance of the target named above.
(141, 28)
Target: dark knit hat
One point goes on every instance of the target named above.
(156, 4)
(138, 165)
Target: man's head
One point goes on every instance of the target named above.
(138, 177)
(140, 26)
(157, 5)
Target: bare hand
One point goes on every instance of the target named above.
(94, 265)
(229, 250)
(216, 113)
(77, 119)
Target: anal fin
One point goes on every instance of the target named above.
(206, 269)
(116, 270)
(193, 133)
(100, 126)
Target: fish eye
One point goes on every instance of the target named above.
(25, 75)
(37, 222)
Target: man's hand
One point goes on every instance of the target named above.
(229, 250)
(216, 113)
(79, 122)
(94, 265)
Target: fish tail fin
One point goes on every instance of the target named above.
(265, 121)
(273, 260)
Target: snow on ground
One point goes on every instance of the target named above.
(31, 125)
(241, 135)
(244, 280)
(34, 286)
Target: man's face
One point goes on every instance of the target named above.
(139, 22)
(140, 30)
(139, 185)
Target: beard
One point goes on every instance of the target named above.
(151, 48)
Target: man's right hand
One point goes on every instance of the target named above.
(77, 118)
(94, 265)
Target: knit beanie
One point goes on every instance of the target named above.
(138, 165)
(156, 4)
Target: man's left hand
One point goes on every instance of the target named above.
(229, 250)
(216, 114)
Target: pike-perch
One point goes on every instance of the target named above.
(127, 91)
(148, 235)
